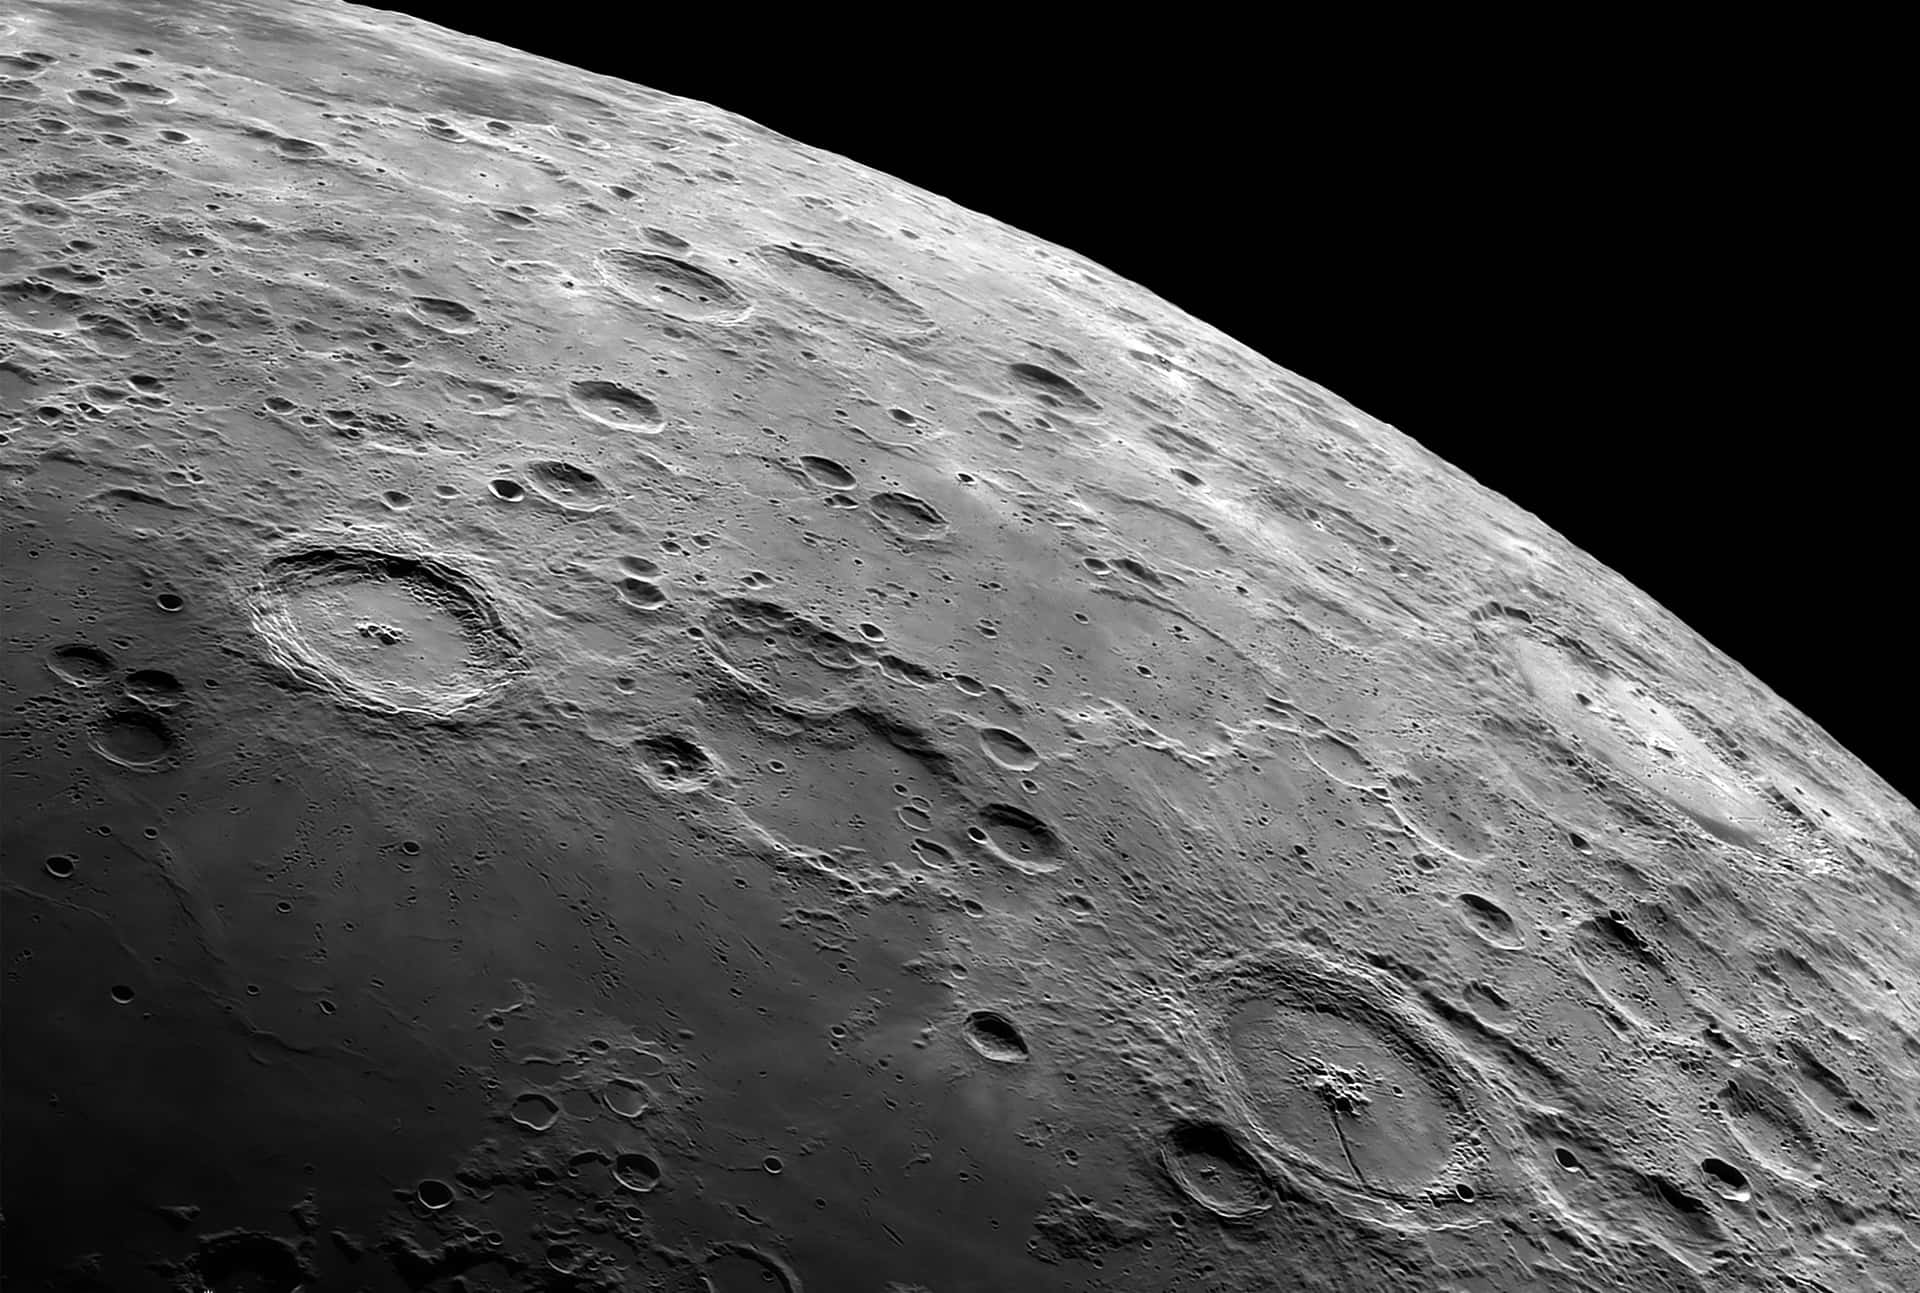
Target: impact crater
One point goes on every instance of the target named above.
(671, 286)
(1347, 1085)
(384, 631)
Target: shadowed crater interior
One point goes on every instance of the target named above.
(1208, 1163)
(996, 1037)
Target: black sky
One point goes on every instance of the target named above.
(1639, 284)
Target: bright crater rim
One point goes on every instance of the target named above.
(384, 631)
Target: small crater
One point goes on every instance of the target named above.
(827, 472)
(673, 762)
(152, 95)
(1018, 838)
(1491, 922)
(671, 286)
(97, 100)
(1726, 1180)
(1050, 387)
(995, 1037)
(1690, 1206)
(626, 1098)
(1008, 749)
(433, 1194)
(534, 1111)
(742, 1268)
(444, 315)
(447, 649)
(133, 738)
(480, 397)
(930, 853)
(636, 1171)
(1208, 1163)
(642, 594)
(903, 670)
(154, 688)
(247, 1261)
(907, 516)
(613, 405)
(507, 491)
(80, 664)
(566, 485)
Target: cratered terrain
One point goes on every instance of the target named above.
(598, 698)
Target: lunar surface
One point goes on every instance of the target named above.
(601, 699)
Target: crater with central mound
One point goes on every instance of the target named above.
(1345, 1083)
(384, 631)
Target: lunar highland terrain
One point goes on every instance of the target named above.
(601, 699)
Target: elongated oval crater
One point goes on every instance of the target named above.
(1208, 1162)
(671, 286)
(1018, 838)
(614, 405)
(995, 1037)
(907, 516)
(842, 289)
